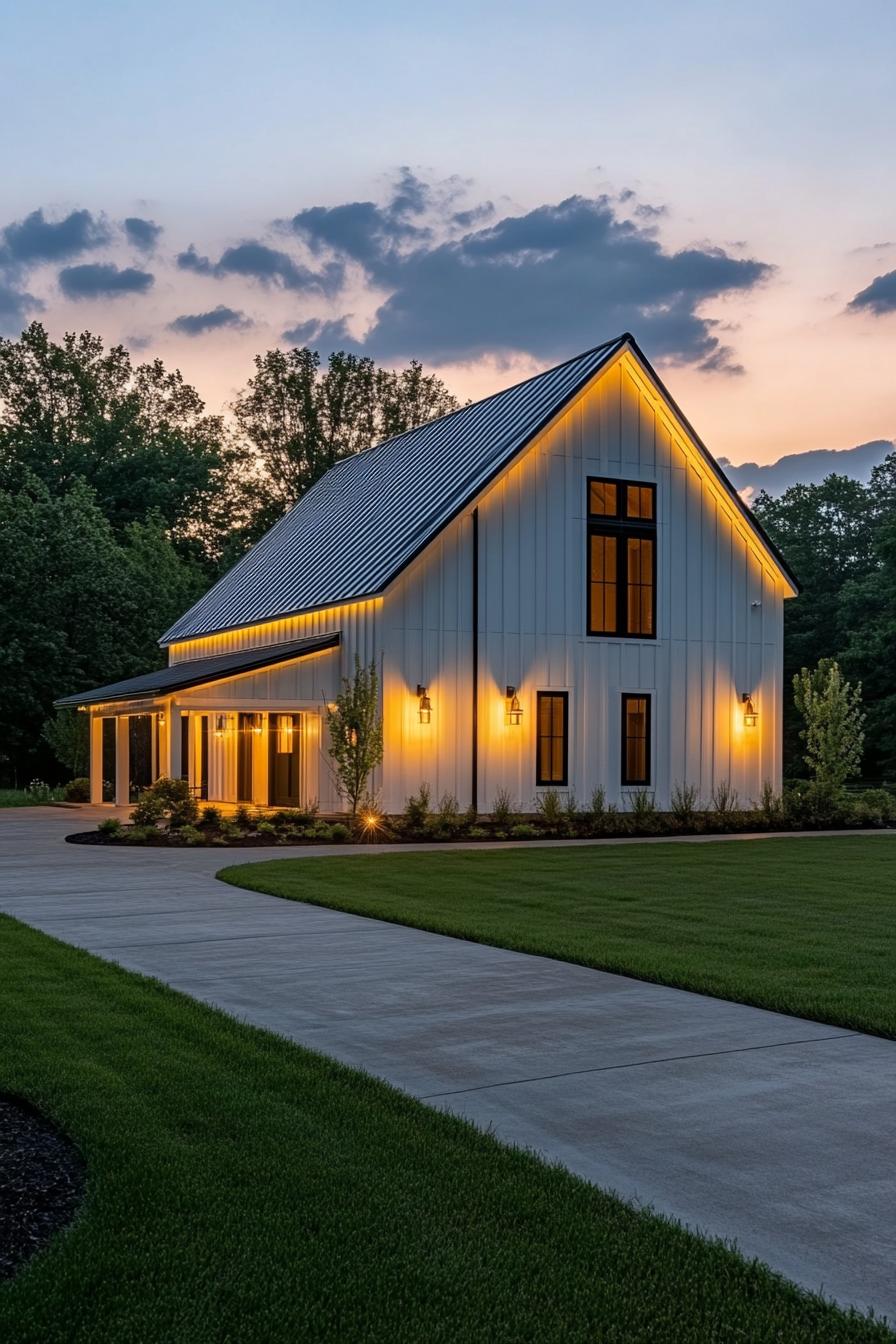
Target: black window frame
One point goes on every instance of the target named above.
(540, 781)
(622, 528)
(645, 783)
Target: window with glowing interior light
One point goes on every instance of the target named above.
(635, 739)
(621, 558)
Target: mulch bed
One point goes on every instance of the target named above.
(42, 1178)
(161, 841)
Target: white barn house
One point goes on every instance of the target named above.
(558, 585)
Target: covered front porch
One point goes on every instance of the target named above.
(222, 724)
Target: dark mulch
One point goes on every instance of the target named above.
(42, 1179)
(163, 841)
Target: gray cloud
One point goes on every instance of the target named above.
(269, 265)
(142, 233)
(194, 324)
(102, 280)
(879, 298)
(331, 335)
(15, 306)
(374, 234)
(35, 239)
(546, 283)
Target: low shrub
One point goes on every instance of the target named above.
(110, 827)
(683, 806)
(244, 818)
(643, 818)
(190, 835)
(724, 798)
(77, 790)
(321, 832)
(416, 811)
(524, 830)
(140, 835)
(168, 800)
(477, 833)
(340, 833)
(210, 818)
(874, 807)
(503, 809)
(551, 812)
(771, 806)
(39, 792)
(266, 828)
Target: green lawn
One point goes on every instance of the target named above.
(805, 926)
(241, 1189)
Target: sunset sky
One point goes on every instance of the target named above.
(490, 188)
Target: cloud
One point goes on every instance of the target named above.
(268, 265)
(194, 324)
(374, 234)
(142, 233)
(34, 239)
(102, 280)
(879, 298)
(547, 282)
(15, 305)
(330, 335)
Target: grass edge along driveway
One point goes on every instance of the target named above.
(240, 1187)
(803, 926)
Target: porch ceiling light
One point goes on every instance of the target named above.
(514, 708)
(424, 711)
(751, 718)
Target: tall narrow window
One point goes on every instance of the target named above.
(636, 739)
(551, 766)
(621, 559)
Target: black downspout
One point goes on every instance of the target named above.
(475, 620)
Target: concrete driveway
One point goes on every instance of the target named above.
(772, 1131)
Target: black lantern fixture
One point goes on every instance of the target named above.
(220, 724)
(424, 712)
(514, 708)
(750, 716)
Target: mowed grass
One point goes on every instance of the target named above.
(241, 1189)
(804, 926)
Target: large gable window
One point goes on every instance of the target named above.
(621, 558)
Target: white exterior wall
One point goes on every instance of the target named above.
(712, 643)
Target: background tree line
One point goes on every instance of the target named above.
(122, 499)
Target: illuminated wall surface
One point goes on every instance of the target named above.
(720, 601)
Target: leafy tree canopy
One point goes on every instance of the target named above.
(300, 418)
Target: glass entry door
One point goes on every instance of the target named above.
(286, 759)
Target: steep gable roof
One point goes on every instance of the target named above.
(363, 522)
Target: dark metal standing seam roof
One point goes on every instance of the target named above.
(371, 514)
(363, 522)
(199, 671)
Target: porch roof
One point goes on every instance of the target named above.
(198, 671)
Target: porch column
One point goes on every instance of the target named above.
(96, 758)
(171, 745)
(261, 764)
(122, 761)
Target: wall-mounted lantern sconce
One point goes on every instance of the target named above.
(220, 724)
(161, 718)
(750, 716)
(514, 708)
(257, 724)
(424, 711)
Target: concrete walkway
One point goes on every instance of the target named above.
(769, 1130)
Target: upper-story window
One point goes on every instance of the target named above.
(621, 558)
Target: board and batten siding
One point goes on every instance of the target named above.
(719, 622)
